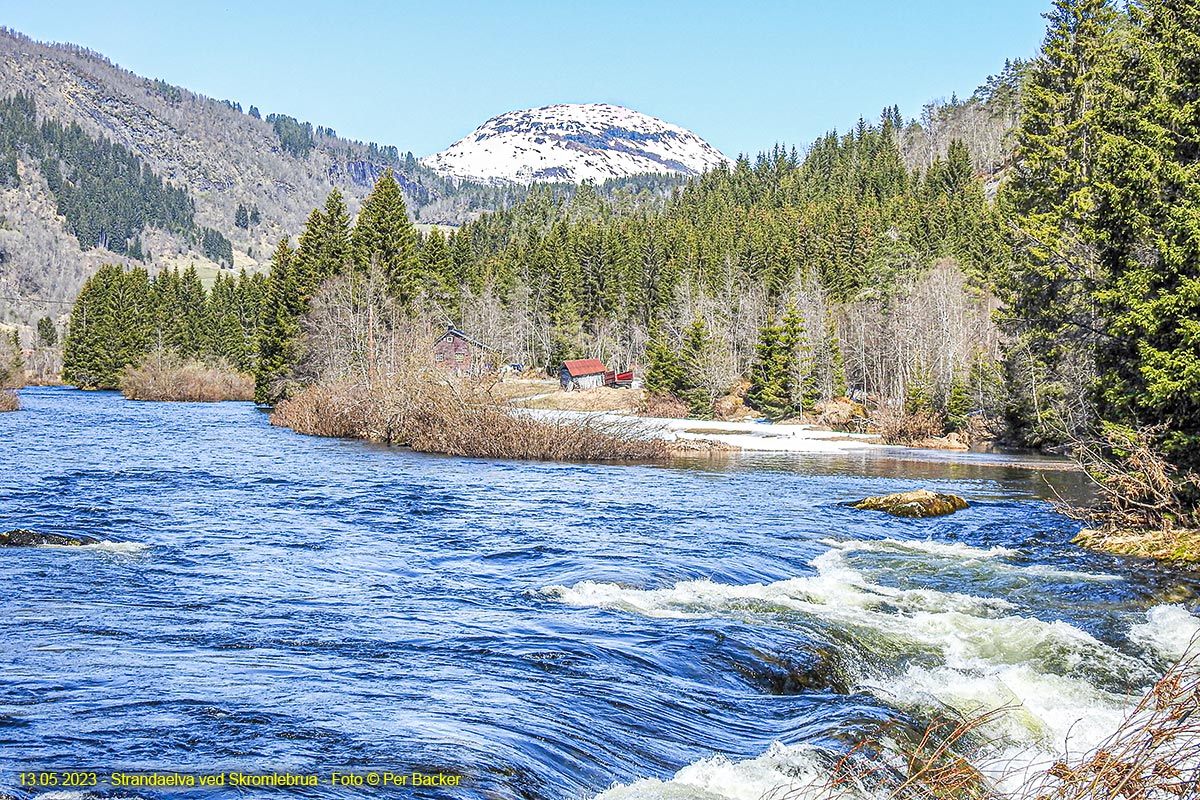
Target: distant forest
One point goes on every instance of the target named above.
(107, 194)
(1026, 257)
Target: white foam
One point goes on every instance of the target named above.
(969, 653)
(956, 550)
(120, 548)
(794, 770)
(1171, 630)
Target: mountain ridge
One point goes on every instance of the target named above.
(574, 142)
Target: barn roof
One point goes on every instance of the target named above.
(455, 332)
(582, 367)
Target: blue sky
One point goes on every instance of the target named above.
(741, 75)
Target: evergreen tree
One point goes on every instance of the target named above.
(279, 327)
(385, 237)
(1051, 196)
(693, 387)
(663, 373)
(47, 333)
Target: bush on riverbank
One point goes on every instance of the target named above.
(9, 400)
(163, 375)
(1147, 506)
(437, 414)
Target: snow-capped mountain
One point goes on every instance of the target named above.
(574, 143)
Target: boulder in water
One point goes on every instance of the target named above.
(23, 537)
(919, 504)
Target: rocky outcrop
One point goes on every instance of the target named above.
(919, 504)
(26, 538)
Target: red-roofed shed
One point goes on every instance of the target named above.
(582, 373)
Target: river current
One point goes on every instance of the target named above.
(269, 603)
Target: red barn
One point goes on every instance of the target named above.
(460, 354)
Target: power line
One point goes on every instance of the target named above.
(37, 300)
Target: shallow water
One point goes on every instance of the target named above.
(272, 603)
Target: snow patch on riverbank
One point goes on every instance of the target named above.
(753, 435)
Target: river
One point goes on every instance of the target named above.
(269, 603)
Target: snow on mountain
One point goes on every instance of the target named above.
(573, 143)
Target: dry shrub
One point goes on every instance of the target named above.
(437, 414)
(327, 409)
(1154, 755)
(897, 426)
(1139, 489)
(840, 414)
(9, 401)
(903, 761)
(665, 406)
(165, 376)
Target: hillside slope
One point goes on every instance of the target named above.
(221, 156)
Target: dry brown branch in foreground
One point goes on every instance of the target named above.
(1154, 755)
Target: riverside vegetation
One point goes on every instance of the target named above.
(1058, 314)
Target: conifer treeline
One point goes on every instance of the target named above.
(107, 194)
(122, 315)
(1105, 296)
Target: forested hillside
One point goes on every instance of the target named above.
(98, 165)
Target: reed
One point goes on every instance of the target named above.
(9, 400)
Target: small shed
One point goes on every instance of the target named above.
(460, 354)
(582, 373)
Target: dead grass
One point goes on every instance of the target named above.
(1180, 545)
(441, 415)
(1153, 755)
(165, 376)
(601, 398)
(9, 401)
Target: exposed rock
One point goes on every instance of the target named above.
(27, 538)
(1181, 546)
(952, 441)
(919, 504)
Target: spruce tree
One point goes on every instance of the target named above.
(385, 238)
(278, 328)
(693, 386)
(663, 374)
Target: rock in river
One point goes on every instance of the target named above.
(27, 538)
(921, 503)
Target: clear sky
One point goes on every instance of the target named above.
(742, 75)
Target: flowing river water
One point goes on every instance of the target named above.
(269, 603)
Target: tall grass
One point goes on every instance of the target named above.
(9, 400)
(165, 376)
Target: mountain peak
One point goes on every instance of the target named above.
(573, 143)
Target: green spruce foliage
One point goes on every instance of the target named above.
(121, 315)
(1106, 198)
